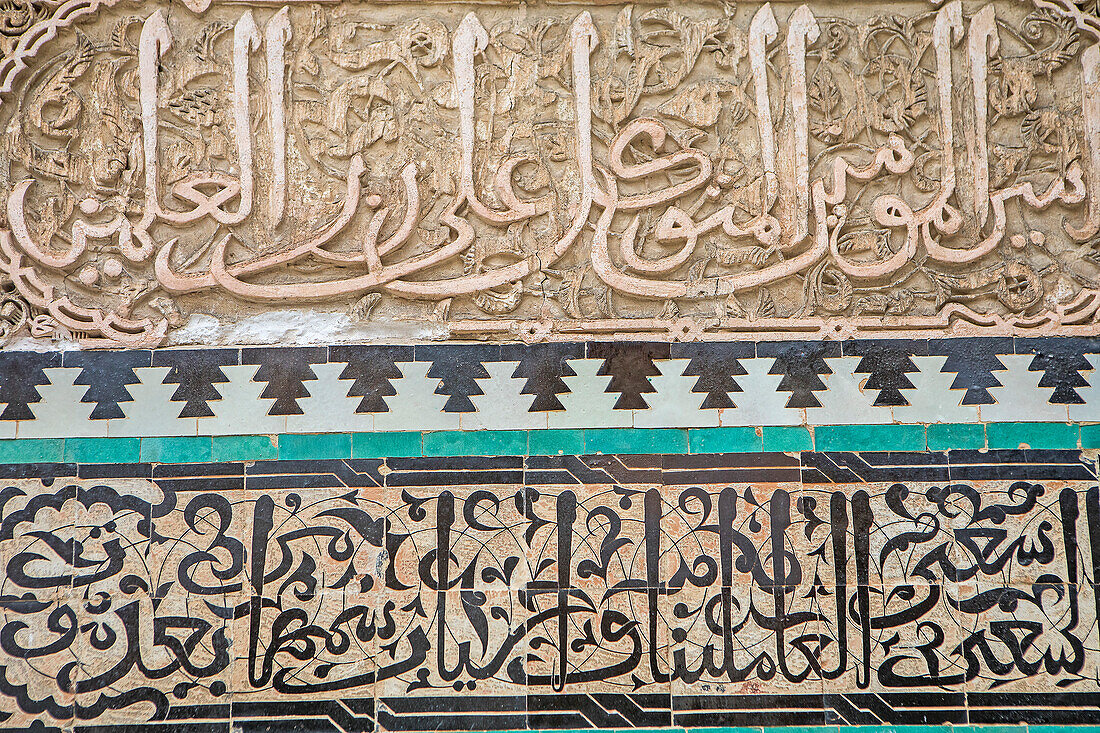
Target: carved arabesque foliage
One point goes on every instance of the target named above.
(687, 170)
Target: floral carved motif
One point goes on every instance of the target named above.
(683, 171)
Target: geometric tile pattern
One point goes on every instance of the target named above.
(269, 390)
(508, 592)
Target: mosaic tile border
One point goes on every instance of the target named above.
(439, 388)
(633, 441)
(163, 539)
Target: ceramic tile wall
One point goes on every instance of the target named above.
(552, 593)
(554, 537)
(354, 389)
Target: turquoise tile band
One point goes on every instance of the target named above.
(312, 446)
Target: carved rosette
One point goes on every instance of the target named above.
(681, 172)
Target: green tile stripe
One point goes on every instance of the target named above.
(312, 446)
(928, 728)
(870, 437)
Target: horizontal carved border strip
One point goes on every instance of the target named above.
(682, 173)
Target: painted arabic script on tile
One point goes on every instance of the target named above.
(124, 599)
(686, 171)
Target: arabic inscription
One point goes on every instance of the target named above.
(692, 171)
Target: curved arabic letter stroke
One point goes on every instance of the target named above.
(1090, 93)
(154, 42)
(276, 36)
(762, 31)
(17, 220)
(673, 222)
(656, 131)
(801, 32)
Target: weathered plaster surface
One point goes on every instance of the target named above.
(535, 173)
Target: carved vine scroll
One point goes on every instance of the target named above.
(687, 170)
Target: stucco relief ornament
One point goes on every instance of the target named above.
(680, 172)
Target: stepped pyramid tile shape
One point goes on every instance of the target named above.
(675, 404)
(934, 399)
(458, 370)
(372, 369)
(417, 405)
(844, 400)
(1089, 411)
(974, 362)
(241, 410)
(630, 365)
(285, 373)
(588, 404)
(1061, 360)
(503, 406)
(717, 367)
(802, 365)
(542, 366)
(62, 413)
(21, 372)
(198, 376)
(1020, 398)
(152, 411)
(888, 362)
(107, 375)
(761, 402)
(328, 408)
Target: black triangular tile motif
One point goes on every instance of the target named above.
(458, 368)
(197, 372)
(715, 365)
(372, 368)
(1061, 360)
(888, 361)
(20, 376)
(630, 365)
(974, 361)
(801, 363)
(285, 370)
(543, 366)
(107, 374)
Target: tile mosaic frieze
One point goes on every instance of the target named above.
(555, 592)
(362, 388)
(671, 172)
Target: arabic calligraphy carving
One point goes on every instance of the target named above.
(126, 598)
(696, 170)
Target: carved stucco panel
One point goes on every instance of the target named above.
(681, 171)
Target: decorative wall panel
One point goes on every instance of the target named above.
(558, 592)
(379, 389)
(671, 171)
(510, 366)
